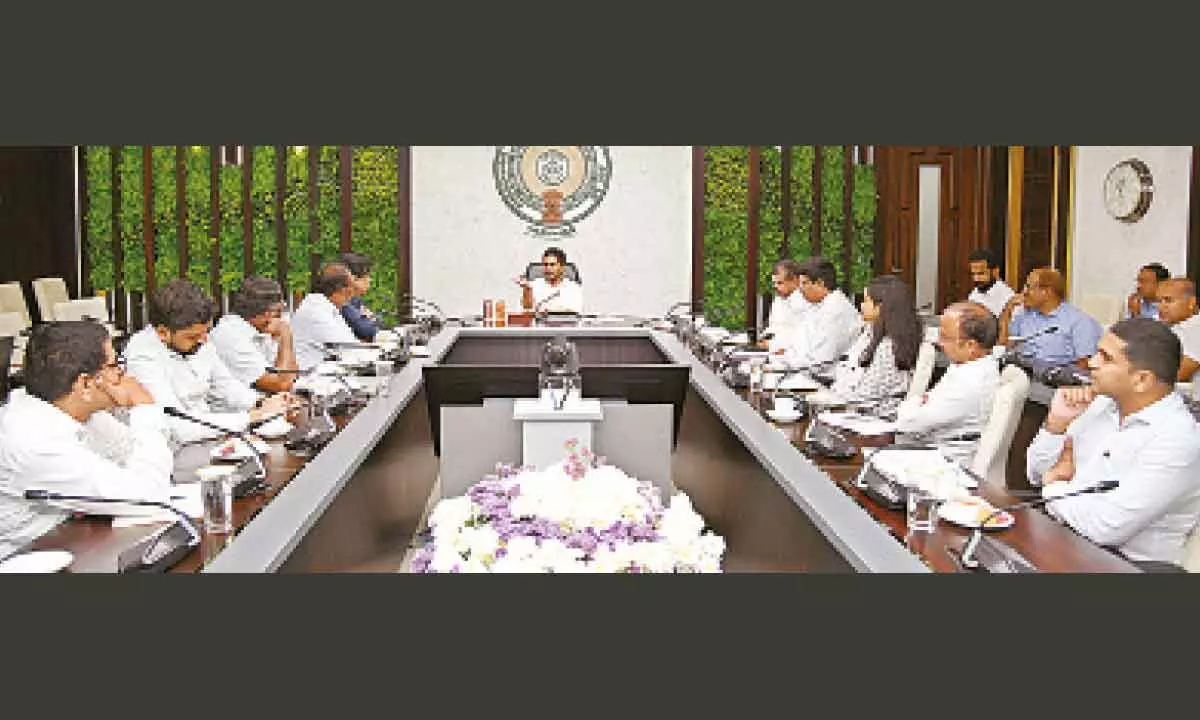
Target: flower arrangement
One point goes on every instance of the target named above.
(579, 515)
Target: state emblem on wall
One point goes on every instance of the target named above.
(552, 187)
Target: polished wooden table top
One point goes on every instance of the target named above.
(1045, 542)
(95, 543)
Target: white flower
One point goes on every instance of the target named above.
(451, 513)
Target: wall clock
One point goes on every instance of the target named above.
(1128, 189)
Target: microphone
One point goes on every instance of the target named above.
(542, 303)
(967, 557)
(260, 474)
(1044, 331)
(156, 553)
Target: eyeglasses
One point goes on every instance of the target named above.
(549, 264)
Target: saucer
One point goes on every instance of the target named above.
(782, 417)
(38, 561)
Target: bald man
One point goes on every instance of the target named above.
(318, 319)
(1076, 333)
(1177, 308)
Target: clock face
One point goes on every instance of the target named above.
(1127, 190)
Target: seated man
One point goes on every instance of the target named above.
(1074, 339)
(254, 337)
(1177, 308)
(826, 331)
(56, 434)
(1129, 426)
(961, 402)
(788, 305)
(989, 290)
(1143, 301)
(554, 292)
(318, 319)
(357, 316)
(173, 360)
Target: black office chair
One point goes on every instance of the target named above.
(533, 271)
(6, 351)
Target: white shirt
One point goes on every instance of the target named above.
(825, 332)
(41, 447)
(787, 313)
(246, 352)
(1155, 456)
(569, 298)
(317, 321)
(995, 298)
(200, 385)
(960, 403)
(1188, 332)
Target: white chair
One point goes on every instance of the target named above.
(12, 299)
(1191, 552)
(11, 324)
(991, 456)
(923, 372)
(1105, 308)
(49, 292)
(92, 308)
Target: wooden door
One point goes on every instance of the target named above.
(963, 218)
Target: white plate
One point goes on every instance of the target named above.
(276, 427)
(38, 561)
(418, 351)
(237, 450)
(783, 417)
(966, 513)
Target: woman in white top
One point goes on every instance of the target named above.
(879, 364)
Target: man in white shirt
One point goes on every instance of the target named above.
(173, 359)
(1177, 308)
(828, 328)
(318, 319)
(56, 434)
(961, 401)
(1128, 426)
(554, 292)
(254, 337)
(989, 290)
(787, 307)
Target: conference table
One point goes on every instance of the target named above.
(358, 504)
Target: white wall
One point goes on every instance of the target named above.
(633, 251)
(1106, 253)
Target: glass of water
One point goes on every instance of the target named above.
(383, 376)
(922, 509)
(216, 496)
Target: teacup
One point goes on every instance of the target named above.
(785, 405)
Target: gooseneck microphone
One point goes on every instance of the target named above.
(968, 554)
(258, 456)
(158, 552)
(542, 303)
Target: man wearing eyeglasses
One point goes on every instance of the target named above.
(253, 337)
(57, 434)
(1076, 333)
(554, 292)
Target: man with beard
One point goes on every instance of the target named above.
(989, 290)
(172, 358)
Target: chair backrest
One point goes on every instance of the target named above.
(1105, 308)
(49, 292)
(82, 309)
(6, 351)
(923, 372)
(1191, 551)
(11, 323)
(12, 299)
(991, 456)
(533, 271)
